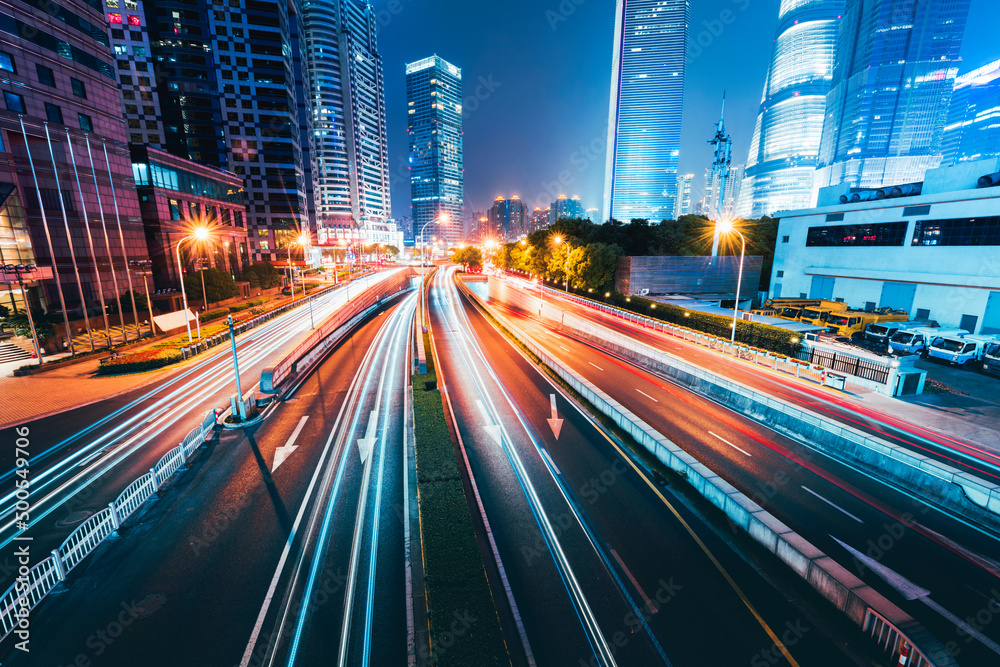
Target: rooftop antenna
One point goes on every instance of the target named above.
(720, 170)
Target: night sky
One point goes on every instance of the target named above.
(543, 81)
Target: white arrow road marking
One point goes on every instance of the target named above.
(912, 591)
(491, 429)
(282, 453)
(554, 423)
(836, 507)
(730, 444)
(366, 443)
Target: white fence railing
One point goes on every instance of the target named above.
(891, 640)
(33, 585)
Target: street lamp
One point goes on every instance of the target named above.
(724, 227)
(17, 270)
(558, 240)
(199, 234)
(304, 242)
(443, 219)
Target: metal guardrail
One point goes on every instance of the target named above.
(891, 639)
(32, 585)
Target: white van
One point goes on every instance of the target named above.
(881, 332)
(991, 359)
(959, 350)
(914, 341)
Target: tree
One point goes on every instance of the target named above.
(593, 266)
(263, 275)
(469, 257)
(44, 324)
(391, 250)
(219, 285)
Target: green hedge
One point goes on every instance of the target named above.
(143, 360)
(754, 334)
(249, 304)
(214, 314)
(454, 575)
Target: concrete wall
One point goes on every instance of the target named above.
(686, 275)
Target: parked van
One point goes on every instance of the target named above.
(914, 341)
(991, 359)
(959, 350)
(881, 332)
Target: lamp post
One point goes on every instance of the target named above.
(200, 234)
(291, 278)
(443, 218)
(304, 242)
(142, 267)
(558, 240)
(236, 371)
(18, 270)
(724, 227)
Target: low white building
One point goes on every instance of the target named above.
(935, 254)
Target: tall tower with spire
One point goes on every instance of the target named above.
(720, 172)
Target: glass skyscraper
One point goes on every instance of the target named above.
(348, 114)
(892, 84)
(973, 128)
(434, 108)
(647, 97)
(786, 139)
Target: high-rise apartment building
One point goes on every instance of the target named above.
(594, 215)
(647, 96)
(893, 78)
(973, 128)
(508, 218)
(538, 219)
(683, 205)
(66, 205)
(230, 82)
(784, 150)
(434, 108)
(347, 101)
(566, 208)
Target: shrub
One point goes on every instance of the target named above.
(214, 314)
(143, 360)
(247, 305)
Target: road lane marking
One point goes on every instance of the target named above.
(647, 395)
(565, 348)
(595, 366)
(628, 573)
(283, 452)
(834, 506)
(730, 444)
(551, 462)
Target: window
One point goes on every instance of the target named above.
(79, 89)
(128, 94)
(877, 234)
(14, 102)
(45, 75)
(7, 63)
(117, 33)
(85, 123)
(834, 217)
(264, 233)
(910, 211)
(982, 231)
(112, 4)
(139, 51)
(923, 314)
(126, 79)
(53, 113)
(264, 245)
(175, 209)
(784, 239)
(781, 274)
(152, 125)
(131, 109)
(140, 172)
(134, 20)
(115, 18)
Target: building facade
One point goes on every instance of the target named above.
(893, 78)
(935, 255)
(973, 128)
(437, 173)
(70, 205)
(647, 98)
(538, 219)
(784, 149)
(178, 195)
(566, 208)
(348, 113)
(683, 204)
(508, 218)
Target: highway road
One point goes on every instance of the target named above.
(948, 569)
(964, 455)
(81, 459)
(599, 564)
(278, 537)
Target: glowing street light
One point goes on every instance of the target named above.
(725, 227)
(199, 234)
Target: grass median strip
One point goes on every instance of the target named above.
(464, 626)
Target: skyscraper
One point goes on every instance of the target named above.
(893, 78)
(647, 96)
(683, 206)
(228, 80)
(565, 208)
(434, 107)
(973, 128)
(508, 218)
(348, 113)
(785, 146)
(538, 219)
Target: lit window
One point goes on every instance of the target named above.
(85, 123)
(115, 18)
(134, 20)
(7, 63)
(120, 49)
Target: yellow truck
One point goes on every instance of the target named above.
(852, 323)
(791, 309)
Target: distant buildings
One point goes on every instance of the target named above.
(508, 218)
(434, 107)
(893, 78)
(647, 95)
(683, 204)
(538, 219)
(594, 215)
(972, 131)
(565, 208)
(784, 150)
